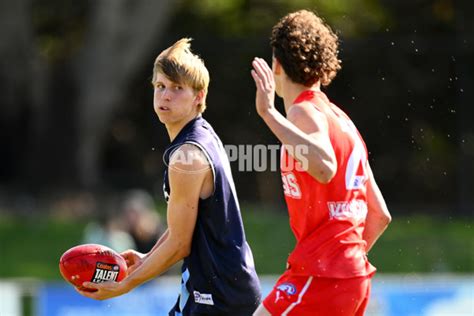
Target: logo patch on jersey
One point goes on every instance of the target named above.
(202, 298)
(105, 272)
(356, 209)
(288, 288)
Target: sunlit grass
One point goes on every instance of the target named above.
(32, 247)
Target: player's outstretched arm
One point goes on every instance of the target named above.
(305, 126)
(378, 216)
(186, 178)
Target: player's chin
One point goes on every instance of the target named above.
(163, 118)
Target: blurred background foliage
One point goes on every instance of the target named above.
(77, 125)
(240, 17)
(409, 246)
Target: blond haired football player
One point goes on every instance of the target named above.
(204, 223)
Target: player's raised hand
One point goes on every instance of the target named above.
(265, 95)
(133, 258)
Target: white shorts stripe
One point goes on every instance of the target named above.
(300, 297)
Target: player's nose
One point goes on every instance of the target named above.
(166, 95)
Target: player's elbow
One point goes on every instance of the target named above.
(384, 217)
(387, 218)
(183, 253)
(329, 174)
(324, 178)
(181, 247)
(325, 173)
(184, 250)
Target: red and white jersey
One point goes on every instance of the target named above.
(328, 219)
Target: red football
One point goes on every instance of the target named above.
(92, 263)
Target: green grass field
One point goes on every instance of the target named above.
(31, 247)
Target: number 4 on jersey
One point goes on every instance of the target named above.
(358, 157)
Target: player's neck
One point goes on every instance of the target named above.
(175, 127)
(173, 131)
(292, 90)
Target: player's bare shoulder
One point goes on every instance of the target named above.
(307, 117)
(189, 158)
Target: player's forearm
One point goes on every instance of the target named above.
(313, 155)
(378, 216)
(160, 241)
(157, 262)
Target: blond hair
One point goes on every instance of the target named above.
(181, 66)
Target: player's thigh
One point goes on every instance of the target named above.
(307, 295)
(340, 297)
(365, 302)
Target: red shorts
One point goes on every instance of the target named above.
(309, 295)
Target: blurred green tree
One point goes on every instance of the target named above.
(75, 106)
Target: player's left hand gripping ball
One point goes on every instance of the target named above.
(92, 263)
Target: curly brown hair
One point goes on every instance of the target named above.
(306, 48)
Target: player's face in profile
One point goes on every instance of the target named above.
(173, 102)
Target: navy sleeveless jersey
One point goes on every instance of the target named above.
(219, 275)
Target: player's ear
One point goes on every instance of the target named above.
(199, 97)
(276, 66)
